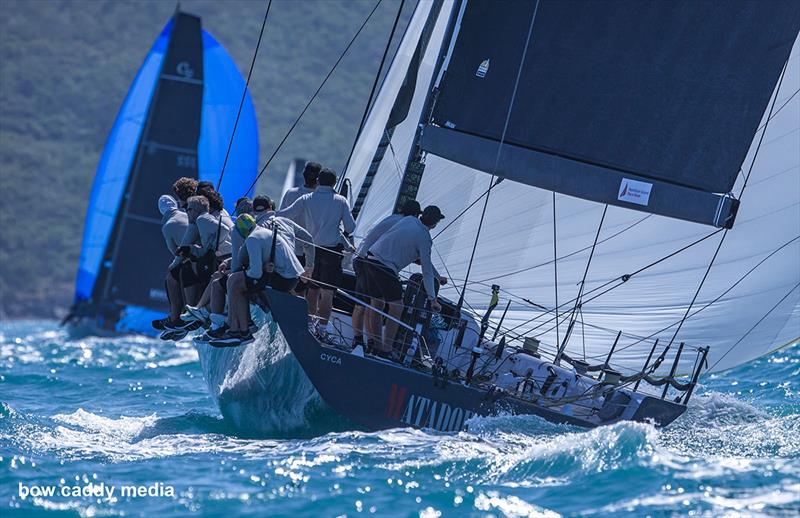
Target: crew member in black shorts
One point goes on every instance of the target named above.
(406, 242)
(372, 324)
(327, 215)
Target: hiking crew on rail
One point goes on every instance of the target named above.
(223, 264)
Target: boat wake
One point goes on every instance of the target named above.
(262, 390)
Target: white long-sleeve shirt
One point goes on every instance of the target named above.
(257, 248)
(406, 242)
(291, 196)
(173, 228)
(325, 214)
(376, 231)
(301, 240)
(207, 226)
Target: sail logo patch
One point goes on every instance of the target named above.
(482, 69)
(634, 191)
(185, 69)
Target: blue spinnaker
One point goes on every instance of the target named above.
(223, 86)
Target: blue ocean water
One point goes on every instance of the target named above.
(135, 412)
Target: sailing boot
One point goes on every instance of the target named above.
(197, 315)
(182, 325)
(160, 324)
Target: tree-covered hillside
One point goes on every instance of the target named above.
(65, 67)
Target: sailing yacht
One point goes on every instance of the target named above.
(175, 121)
(622, 185)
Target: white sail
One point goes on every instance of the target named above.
(383, 192)
(741, 314)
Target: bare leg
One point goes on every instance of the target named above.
(191, 294)
(373, 321)
(239, 307)
(325, 305)
(395, 310)
(358, 320)
(217, 298)
(175, 296)
(205, 298)
(312, 297)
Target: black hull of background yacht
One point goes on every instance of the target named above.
(378, 394)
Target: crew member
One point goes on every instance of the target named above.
(310, 179)
(326, 214)
(280, 272)
(410, 208)
(181, 278)
(184, 188)
(173, 226)
(406, 242)
(301, 240)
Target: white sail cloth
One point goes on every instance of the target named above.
(740, 314)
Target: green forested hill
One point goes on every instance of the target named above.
(65, 67)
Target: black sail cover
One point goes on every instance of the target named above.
(136, 258)
(650, 105)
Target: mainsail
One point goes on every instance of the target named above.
(176, 121)
(749, 300)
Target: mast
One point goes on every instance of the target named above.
(166, 150)
(415, 164)
(402, 101)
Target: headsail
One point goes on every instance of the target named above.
(178, 111)
(748, 306)
(645, 105)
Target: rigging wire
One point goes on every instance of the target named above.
(730, 288)
(499, 149)
(374, 87)
(555, 274)
(624, 278)
(236, 121)
(244, 95)
(578, 301)
(744, 186)
(311, 100)
(756, 324)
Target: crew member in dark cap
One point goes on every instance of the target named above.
(326, 214)
(310, 177)
(406, 242)
(411, 209)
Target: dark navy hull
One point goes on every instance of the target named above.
(379, 394)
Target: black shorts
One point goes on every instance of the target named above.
(302, 259)
(362, 292)
(328, 267)
(382, 282)
(184, 274)
(272, 280)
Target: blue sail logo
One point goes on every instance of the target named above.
(184, 69)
